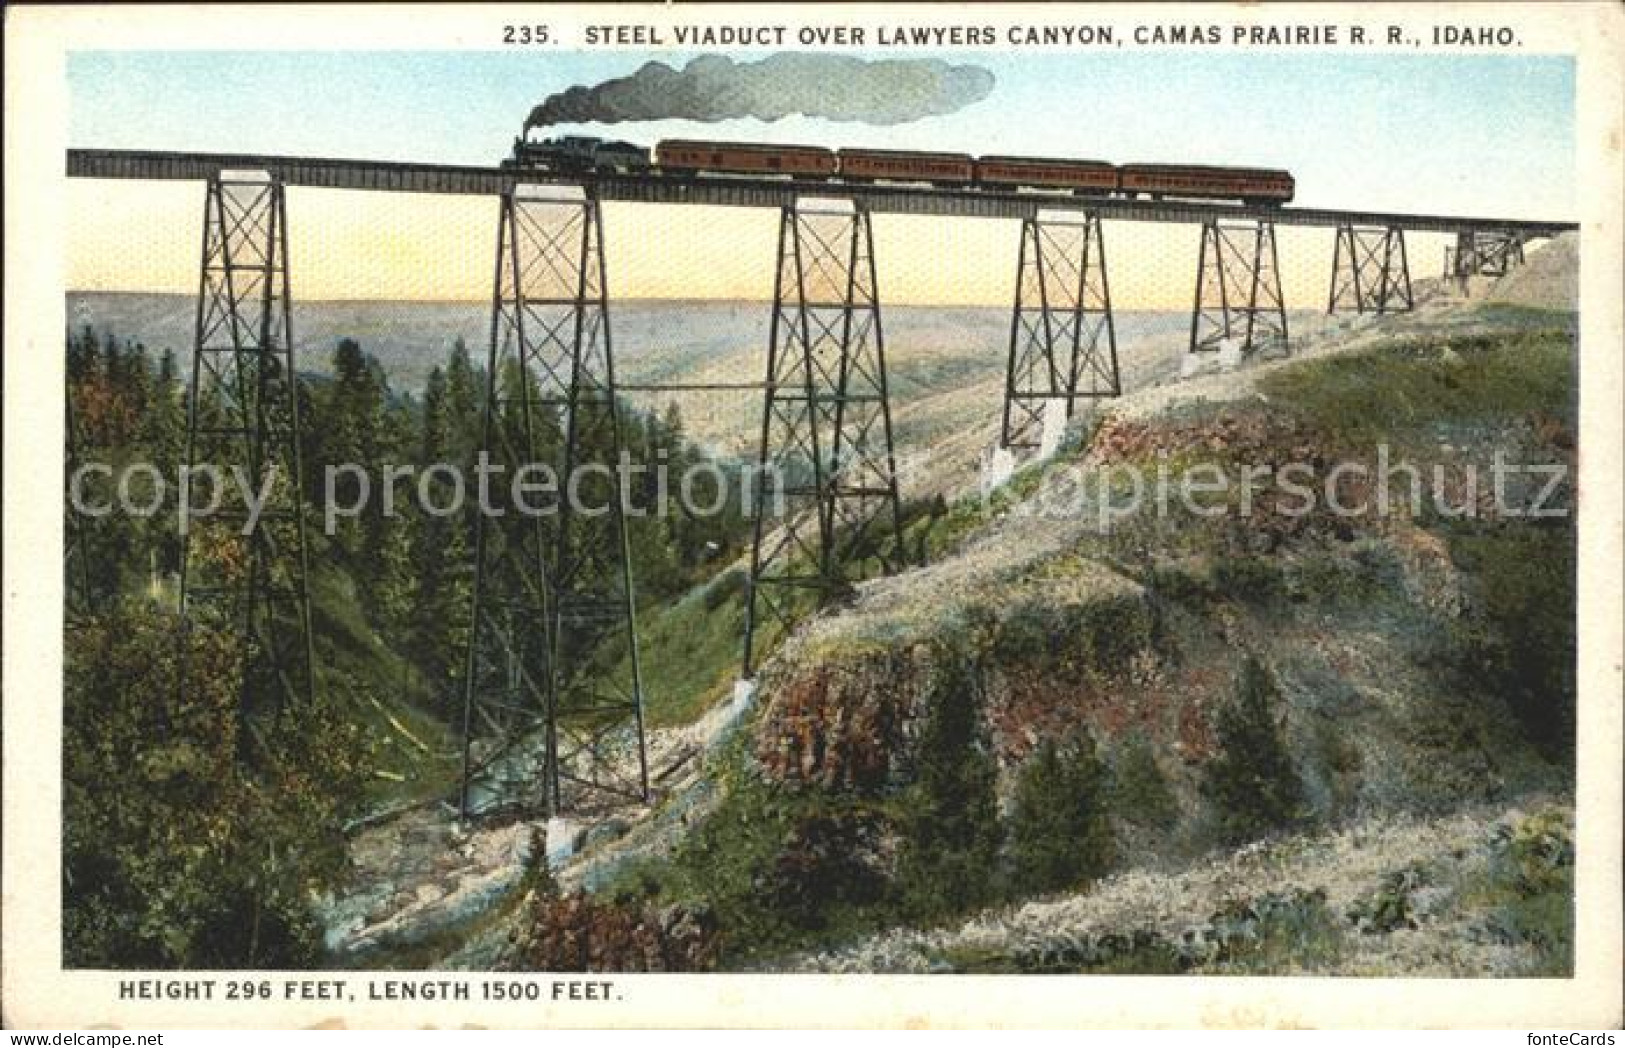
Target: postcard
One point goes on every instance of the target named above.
(1013, 515)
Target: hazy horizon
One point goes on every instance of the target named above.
(655, 340)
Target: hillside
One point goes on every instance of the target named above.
(1152, 746)
(1159, 696)
(1467, 894)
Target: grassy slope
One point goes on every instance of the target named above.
(1482, 892)
(413, 749)
(1406, 389)
(690, 650)
(1412, 394)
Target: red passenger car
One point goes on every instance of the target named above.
(902, 165)
(1251, 184)
(1080, 176)
(745, 158)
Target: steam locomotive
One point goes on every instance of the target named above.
(579, 154)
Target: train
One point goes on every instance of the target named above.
(582, 154)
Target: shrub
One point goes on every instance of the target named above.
(1520, 642)
(1536, 855)
(828, 863)
(1392, 906)
(1060, 835)
(1272, 933)
(578, 933)
(1099, 636)
(1249, 579)
(1252, 782)
(1140, 794)
(1527, 891)
(1176, 583)
(951, 825)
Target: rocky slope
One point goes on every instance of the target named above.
(1410, 671)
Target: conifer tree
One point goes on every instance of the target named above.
(1252, 783)
(953, 824)
(465, 394)
(1060, 834)
(163, 425)
(441, 596)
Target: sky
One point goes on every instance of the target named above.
(1474, 134)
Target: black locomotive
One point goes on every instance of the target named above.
(579, 155)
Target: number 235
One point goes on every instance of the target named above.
(525, 34)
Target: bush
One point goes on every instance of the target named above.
(1140, 794)
(1536, 855)
(829, 863)
(1060, 835)
(1520, 642)
(951, 824)
(1177, 584)
(1276, 932)
(1527, 892)
(1252, 782)
(1400, 388)
(577, 933)
(1255, 580)
(1392, 906)
(1099, 636)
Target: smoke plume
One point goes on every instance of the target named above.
(831, 87)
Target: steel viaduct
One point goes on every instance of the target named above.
(553, 650)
